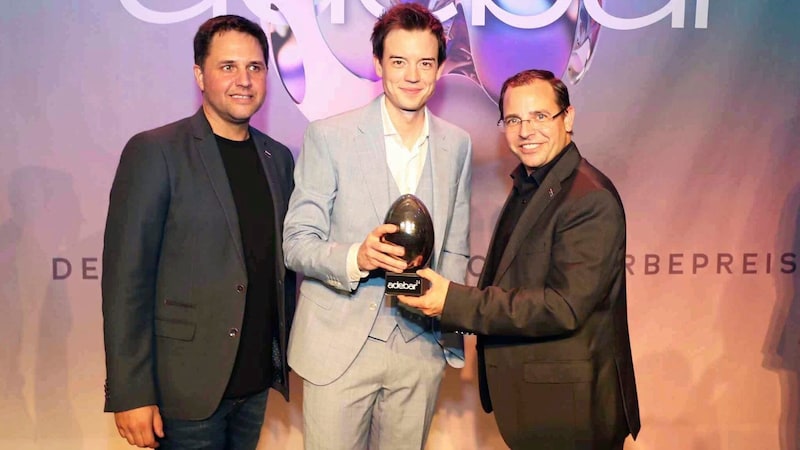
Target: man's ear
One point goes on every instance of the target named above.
(569, 118)
(198, 77)
(439, 71)
(378, 68)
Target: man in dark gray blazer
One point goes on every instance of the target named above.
(196, 300)
(554, 355)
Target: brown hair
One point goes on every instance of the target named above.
(410, 17)
(529, 76)
(221, 24)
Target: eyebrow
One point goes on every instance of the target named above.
(233, 62)
(539, 111)
(404, 58)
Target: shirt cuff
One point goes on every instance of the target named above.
(354, 275)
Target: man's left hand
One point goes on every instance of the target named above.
(432, 303)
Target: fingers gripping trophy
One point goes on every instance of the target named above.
(415, 235)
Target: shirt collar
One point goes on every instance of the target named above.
(536, 178)
(390, 130)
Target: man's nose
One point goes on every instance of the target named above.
(244, 78)
(412, 73)
(527, 127)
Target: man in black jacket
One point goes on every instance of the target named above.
(554, 356)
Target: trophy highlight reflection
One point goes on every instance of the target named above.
(416, 236)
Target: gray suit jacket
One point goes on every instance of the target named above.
(554, 356)
(174, 276)
(341, 194)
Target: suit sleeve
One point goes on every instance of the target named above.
(306, 236)
(137, 212)
(586, 255)
(455, 249)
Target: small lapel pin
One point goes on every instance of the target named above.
(550, 191)
(269, 155)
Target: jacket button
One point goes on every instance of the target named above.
(233, 332)
(239, 288)
(373, 306)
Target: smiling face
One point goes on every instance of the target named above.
(409, 69)
(233, 80)
(536, 144)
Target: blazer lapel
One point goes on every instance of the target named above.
(275, 188)
(442, 173)
(370, 152)
(206, 146)
(546, 193)
(278, 200)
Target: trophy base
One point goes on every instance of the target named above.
(406, 284)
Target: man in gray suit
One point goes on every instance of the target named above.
(372, 370)
(196, 299)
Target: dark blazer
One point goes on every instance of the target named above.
(554, 356)
(174, 277)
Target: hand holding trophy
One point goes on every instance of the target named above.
(415, 235)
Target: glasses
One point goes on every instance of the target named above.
(539, 118)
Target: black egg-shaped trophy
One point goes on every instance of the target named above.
(416, 236)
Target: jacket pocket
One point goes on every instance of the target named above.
(323, 302)
(171, 302)
(174, 329)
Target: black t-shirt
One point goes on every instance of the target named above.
(253, 369)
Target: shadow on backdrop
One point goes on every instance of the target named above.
(35, 312)
(782, 344)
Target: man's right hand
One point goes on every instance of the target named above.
(140, 426)
(375, 253)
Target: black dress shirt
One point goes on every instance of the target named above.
(525, 186)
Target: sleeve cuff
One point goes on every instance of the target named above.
(354, 275)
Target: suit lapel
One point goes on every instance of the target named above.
(207, 147)
(546, 193)
(370, 152)
(275, 189)
(442, 173)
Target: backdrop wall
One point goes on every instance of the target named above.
(691, 107)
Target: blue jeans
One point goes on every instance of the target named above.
(235, 425)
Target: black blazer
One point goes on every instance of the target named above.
(174, 277)
(554, 356)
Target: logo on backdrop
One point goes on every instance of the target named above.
(487, 40)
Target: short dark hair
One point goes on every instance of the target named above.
(409, 17)
(221, 24)
(529, 76)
